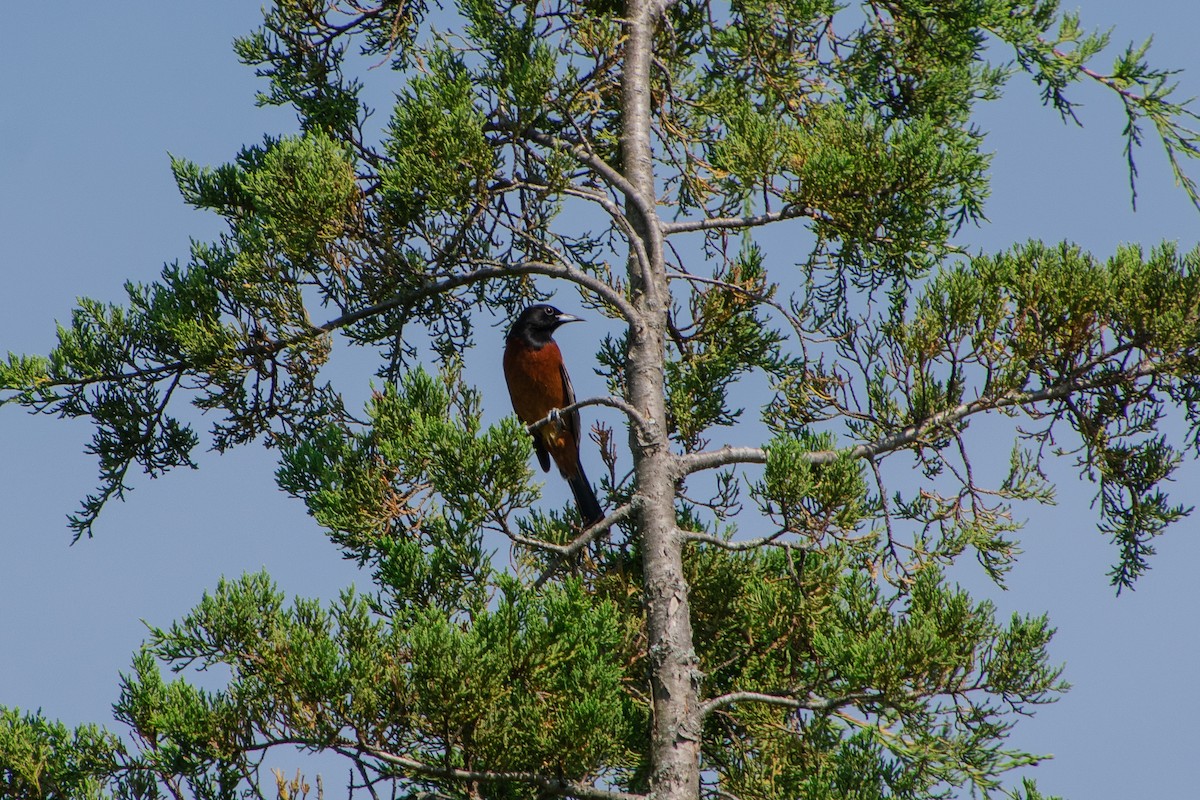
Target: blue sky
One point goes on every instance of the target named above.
(97, 97)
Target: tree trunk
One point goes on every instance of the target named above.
(674, 674)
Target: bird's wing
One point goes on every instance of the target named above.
(572, 419)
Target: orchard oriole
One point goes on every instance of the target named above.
(538, 384)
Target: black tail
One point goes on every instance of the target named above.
(585, 499)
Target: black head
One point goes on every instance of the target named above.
(537, 324)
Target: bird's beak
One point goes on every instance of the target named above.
(565, 318)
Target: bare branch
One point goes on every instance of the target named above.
(712, 459)
(645, 424)
(533, 544)
(602, 168)
(733, 223)
(748, 544)
(618, 216)
(610, 206)
(812, 703)
(642, 248)
(556, 786)
(572, 274)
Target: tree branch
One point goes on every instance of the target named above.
(713, 459)
(618, 216)
(533, 544)
(606, 171)
(490, 272)
(813, 703)
(749, 544)
(757, 297)
(557, 786)
(615, 179)
(734, 223)
(572, 274)
(644, 424)
(695, 462)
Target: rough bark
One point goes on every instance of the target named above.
(674, 671)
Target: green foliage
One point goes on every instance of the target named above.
(522, 66)
(436, 145)
(121, 366)
(303, 191)
(1052, 323)
(807, 498)
(433, 688)
(298, 51)
(289, 200)
(1145, 91)
(45, 760)
(727, 339)
(554, 659)
(411, 494)
(27, 373)
(913, 181)
(755, 147)
(808, 621)
(82, 378)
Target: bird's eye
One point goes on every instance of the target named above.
(549, 312)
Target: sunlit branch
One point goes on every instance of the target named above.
(812, 703)
(644, 424)
(734, 223)
(747, 544)
(713, 459)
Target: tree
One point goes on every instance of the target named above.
(687, 646)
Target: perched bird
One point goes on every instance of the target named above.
(538, 384)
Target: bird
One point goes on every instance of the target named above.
(539, 386)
